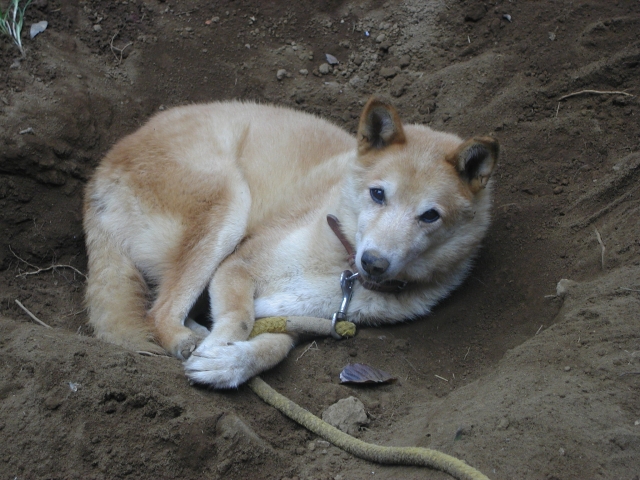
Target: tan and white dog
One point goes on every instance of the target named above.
(233, 198)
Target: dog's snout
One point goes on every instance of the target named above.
(373, 263)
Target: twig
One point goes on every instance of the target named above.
(594, 92)
(33, 317)
(414, 368)
(601, 245)
(149, 354)
(629, 289)
(540, 327)
(629, 373)
(466, 354)
(120, 50)
(313, 345)
(40, 270)
(442, 378)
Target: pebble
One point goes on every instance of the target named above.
(388, 72)
(347, 415)
(97, 28)
(280, 74)
(381, 38)
(304, 71)
(324, 69)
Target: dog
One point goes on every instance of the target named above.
(232, 199)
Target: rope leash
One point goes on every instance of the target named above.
(414, 456)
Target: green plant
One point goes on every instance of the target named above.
(11, 21)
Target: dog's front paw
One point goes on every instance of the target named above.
(221, 366)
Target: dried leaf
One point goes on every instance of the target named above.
(331, 60)
(361, 373)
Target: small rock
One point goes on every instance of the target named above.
(304, 72)
(388, 72)
(324, 69)
(475, 13)
(503, 424)
(357, 82)
(97, 28)
(331, 60)
(405, 60)
(280, 74)
(558, 190)
(563, 287)
(567, 368)
(347, 415)
(381, 38)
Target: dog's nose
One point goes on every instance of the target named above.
(373, 263)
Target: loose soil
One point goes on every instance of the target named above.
(518, 379)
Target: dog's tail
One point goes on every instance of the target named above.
(117, 294)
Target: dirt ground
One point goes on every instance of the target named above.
(518, 379)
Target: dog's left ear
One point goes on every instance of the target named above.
(379, 127)
(475, 160)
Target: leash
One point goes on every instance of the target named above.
(414, 456)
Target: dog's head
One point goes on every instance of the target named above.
(422, 197)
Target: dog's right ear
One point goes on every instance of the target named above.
(379, 127)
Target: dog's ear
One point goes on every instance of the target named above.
(379, 127)
(474, 160)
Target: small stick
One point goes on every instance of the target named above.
(442, 378)
(414, 368)
(466, 354)
(601, 245)
(52, 267)
(120, 50)
(594, 92)
(33, 317)
(40, 270)
(540, 327)
(629, 289)
(149, 354)
(313, 345)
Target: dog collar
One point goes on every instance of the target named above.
(388, 286)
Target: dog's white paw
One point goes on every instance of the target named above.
(221, 366)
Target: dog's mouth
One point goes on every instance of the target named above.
(389, 285)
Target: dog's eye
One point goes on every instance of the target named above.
(430, 216)
(377, 194)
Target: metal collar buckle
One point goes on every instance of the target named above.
(347, 279)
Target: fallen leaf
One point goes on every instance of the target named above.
(361, 373)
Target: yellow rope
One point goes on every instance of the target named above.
(414, 456)
(279, 325)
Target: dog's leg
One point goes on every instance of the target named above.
(203, 250)
(225, 359)
(116, 292)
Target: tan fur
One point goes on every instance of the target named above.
(233, 198)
